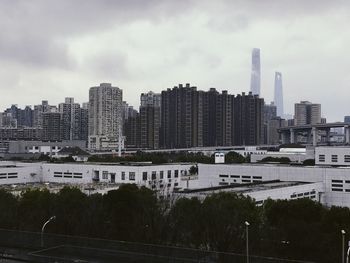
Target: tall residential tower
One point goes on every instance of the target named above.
(105, 117)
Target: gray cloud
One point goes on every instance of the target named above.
(68, 46)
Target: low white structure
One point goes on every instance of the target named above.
(336, 181)
(332, 156)
(219, 157)
(329, 185)
(164, 178)
(12, 173)
(260, 192)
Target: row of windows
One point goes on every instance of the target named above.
(131, 176)
(334, 158)
(340, 190)
(66, 173)
(8, 175)
(311, 194)
(161, 175)
(68, 176)
(162, 185)
(238, 176)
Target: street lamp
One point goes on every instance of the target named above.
(43, 229)
(343, 246)
(247, 240)
(347, 253)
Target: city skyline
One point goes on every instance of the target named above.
(50, 51)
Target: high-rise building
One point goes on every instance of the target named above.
(278, 98)
(84, 121)
(27, 117)
(150, 120)
(306, 112)
(52, 126)
(131, 126)
(105, 117)
(255, 74)
(347, 119)
(270, 113)
(22, 117)
(248, 119)
(272, 134)
(180, 117)
(217, 118)
(39, 110)
(132, 130)
(71, 119)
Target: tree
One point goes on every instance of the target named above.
(193, 170)
(34, 208)
(309, 162)
(223, 216)
(184, 219)
(70, 208)
(234, 157)
(8, 208)
(133, 213)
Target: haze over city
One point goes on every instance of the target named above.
(55, 49)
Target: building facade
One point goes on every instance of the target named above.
(52, 126)
(105, 117)
(71, 119)
(278, 95)
(179, 117)
(150, 118)
(255, 74)
(306, 112)
(248, 119)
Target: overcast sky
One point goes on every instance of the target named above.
(52, 49)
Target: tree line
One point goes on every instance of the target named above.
(296, 229)
(171, 157)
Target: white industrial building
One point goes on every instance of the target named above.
(332, 156)
(328, 182)
(335, 181)
(165, 177)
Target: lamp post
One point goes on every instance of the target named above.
(43, 229)
(247, 239)
(343, 246)
(347, 253)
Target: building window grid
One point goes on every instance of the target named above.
(132, 176)
(144, 176)
(321, 158)
(347, 158)
(154, 175)
(334, 158)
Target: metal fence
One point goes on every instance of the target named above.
(32, 247)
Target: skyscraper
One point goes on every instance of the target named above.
(278, 100)
(248, 119)
(150, 119)
(52, 126)
(306, 112)
(71, 119)
(39, 110)
(105, 117)
(180, 117)
(84, 121)
(255, 75)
